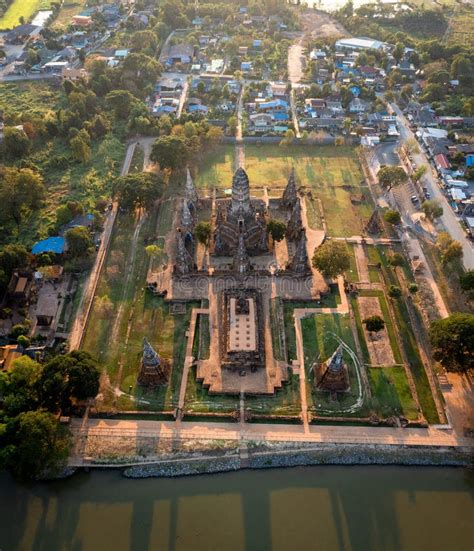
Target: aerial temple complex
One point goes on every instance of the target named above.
(238, 274)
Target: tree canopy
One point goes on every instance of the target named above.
(276, 229)
(391, 176)
(137, 190)
(331, 259)
(170, 152)
(452, 339)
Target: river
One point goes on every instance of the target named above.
(305, 508)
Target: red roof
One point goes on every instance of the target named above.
(442, 161)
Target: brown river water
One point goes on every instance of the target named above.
(304, 508)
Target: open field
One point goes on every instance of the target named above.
(128, 313)
(67, 11)
(332, 174)
(405, 332)
(22, 8)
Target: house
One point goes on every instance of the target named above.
(315, 103)
(246, 66)
(277, 90)
(68, 73)
(257, 44)
(334, 105)
(121, 54)
(180, 53)
(56, 245)
(261, 121)
(368, 72)
(425, 117)
(358, 105)
(19, 287)
(442, 162)
(80, 39)
(407, 69)
(243, 50)
(198, 109)
(274, 106)
(316, 55)
(82, 21)
(358, 44)
(20, 34)
(8, 354)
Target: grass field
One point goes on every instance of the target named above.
(22, 8)
(319, 344)
(333, 175)
(67, 11)
(115, 333)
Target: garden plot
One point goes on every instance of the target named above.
(378, 344)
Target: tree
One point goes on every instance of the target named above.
(398, 52)
(466, 280)
(276, 229)
(170, 152)
(432, 209)
(394, 291)
(21, 388)
(396, 259)
(289, 137)
(413, 288)
(452, 339)
(419, 173)
(450, 250)
(16, 142)
(374, 324)
(121, 101)
(34, 445)
(391, 176)
(392, 217)
(204, 232)
(81, 149)
(153, 251)
(137, 190)
(72, 376)
(21, 192)
(331, 259)
(79, 241)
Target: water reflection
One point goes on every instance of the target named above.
(346, 508)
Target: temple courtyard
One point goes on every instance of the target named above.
(243, 327)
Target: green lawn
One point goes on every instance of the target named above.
(118, 348)
(319, 344)
(286, 401)
(332, 174)
(22, 8)
(405, 332)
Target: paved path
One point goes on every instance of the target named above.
(188, 357)
(362, 263)
(448, 219)
(111, 428)
(77, 332)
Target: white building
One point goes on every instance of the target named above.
(358, 44)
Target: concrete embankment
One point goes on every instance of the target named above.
(325, 454)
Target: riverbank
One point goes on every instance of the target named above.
(260, 457)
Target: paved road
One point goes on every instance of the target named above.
(111, 428)
(449, 219)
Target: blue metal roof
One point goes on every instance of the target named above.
(274, 103)
(280, 116)
(469, 160)
(55, 245)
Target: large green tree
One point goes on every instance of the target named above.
(391, 176)
(33, 445)
(21, 192)
(137, 190)
(170, 152)
(79, 241)
(452, 339)
(331, 259)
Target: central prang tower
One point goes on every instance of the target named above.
(240, 216)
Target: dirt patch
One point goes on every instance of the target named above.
(319, 25)
(380, 349)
